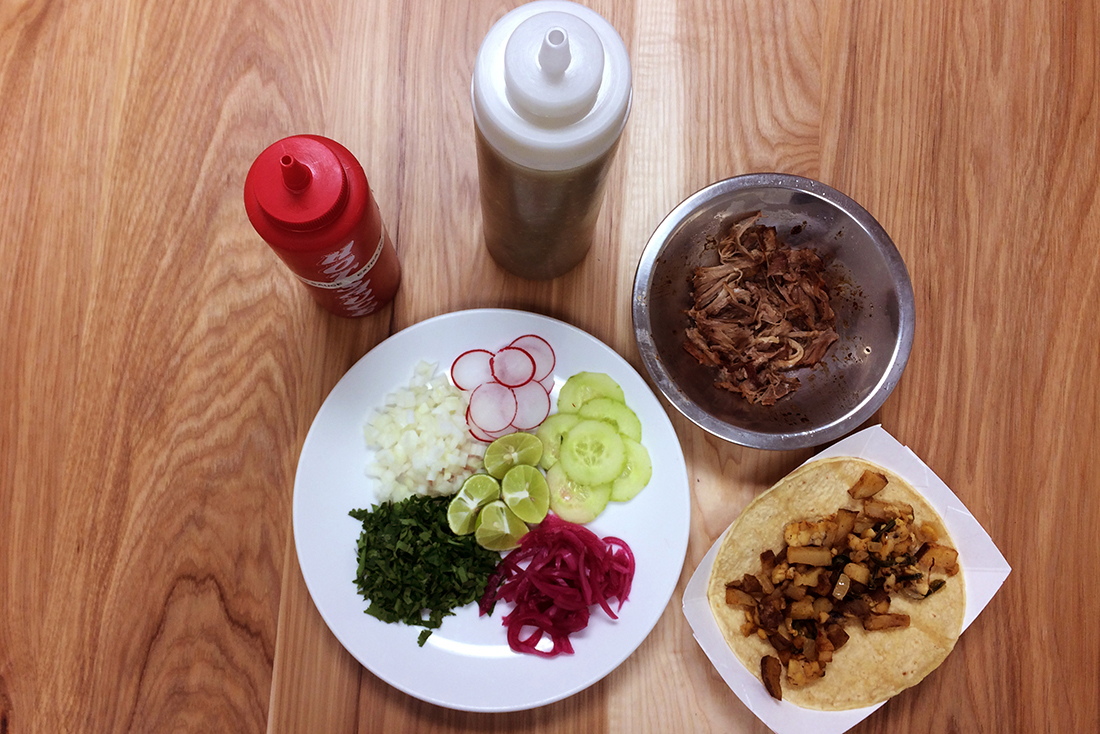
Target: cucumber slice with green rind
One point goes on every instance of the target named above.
(592, 452)
(636, 474)
(585, 386)
(551, 433)
(575, 502)
(616, 413)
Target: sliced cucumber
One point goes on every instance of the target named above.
(616, 413)
(591, 448)
(593, 453)
(585, 386)
(573, 501)
(551, 433)
(636, 475)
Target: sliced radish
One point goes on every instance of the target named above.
(512, 367)
(492, 407)
(472, 368)
(494, 435)
(474, 431)
(509, 389)
(541, 351)
(485, 436)
(532, 406)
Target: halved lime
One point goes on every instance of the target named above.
(461, 516)
(477, 491)
(498, 528)
(515, 449)
(481, 488)
(526, 493)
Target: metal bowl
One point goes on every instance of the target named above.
(872, 297)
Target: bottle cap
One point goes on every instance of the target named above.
(299, 183)
(551, 88)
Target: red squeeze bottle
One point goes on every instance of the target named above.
(309, 199)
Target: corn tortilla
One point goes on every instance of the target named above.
(872, 666)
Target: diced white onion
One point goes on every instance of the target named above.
(420, 439)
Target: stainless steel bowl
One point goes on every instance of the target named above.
(873, 302)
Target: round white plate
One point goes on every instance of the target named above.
(466, 664)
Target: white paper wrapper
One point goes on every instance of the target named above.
(984, 571)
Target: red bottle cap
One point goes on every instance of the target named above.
(300, 184)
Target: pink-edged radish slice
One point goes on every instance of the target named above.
(492, 407)
(512, 367)
(488, 436)
(472, 368)
(485, 436)
(532, 406)
(479, 435)
(494, 435)
(541, 351)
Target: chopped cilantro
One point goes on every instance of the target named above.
(412, 568)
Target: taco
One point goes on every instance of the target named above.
(839, 586)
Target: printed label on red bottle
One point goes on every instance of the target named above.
(339, 265)
(350, 286)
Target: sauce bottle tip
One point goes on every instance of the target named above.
(296, 175)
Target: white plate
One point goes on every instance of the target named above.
(466, 664)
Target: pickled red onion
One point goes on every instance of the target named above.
(558, 572)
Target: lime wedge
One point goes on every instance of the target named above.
(461, 517)
(480, 489)
(477, 491)
(525, 491)
(515, 449)
(498, 528)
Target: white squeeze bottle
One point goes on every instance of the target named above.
(551, 94)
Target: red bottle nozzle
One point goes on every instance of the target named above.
(296, 175)
(299, 183)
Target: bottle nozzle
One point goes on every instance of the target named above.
(554, 56)
(296, 175)
(553, 68)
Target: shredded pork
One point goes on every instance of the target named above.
(760, 313)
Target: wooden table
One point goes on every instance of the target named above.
(160, 367)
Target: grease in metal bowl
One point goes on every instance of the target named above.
(871, 294)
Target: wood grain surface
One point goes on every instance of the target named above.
(159, 367)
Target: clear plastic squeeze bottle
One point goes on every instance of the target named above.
(551, 93)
